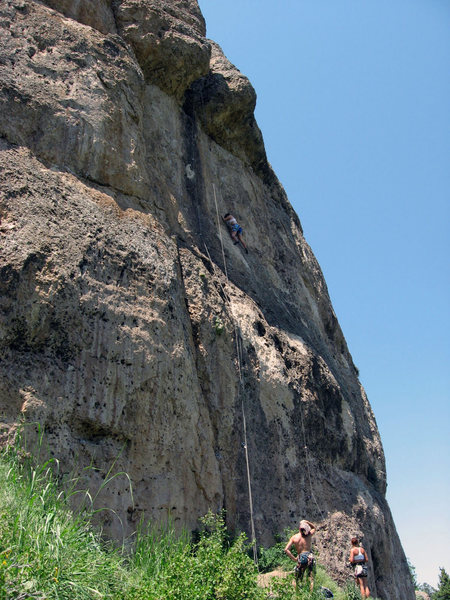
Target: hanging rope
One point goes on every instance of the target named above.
(238, 341)
(247, 461)
(308, 469)
(220, 234)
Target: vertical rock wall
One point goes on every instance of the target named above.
(123, 131)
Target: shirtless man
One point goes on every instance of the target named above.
(304, 559)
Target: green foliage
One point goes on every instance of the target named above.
(275, 557)
(412, 571)
(284, 589)
(211, 569)
(48, 551)
(323, 579)
(443, 591)
(155, 547)
(218, 325)
(351, 591)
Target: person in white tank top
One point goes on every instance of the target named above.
(359, 558)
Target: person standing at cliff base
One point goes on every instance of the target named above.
(358, 558)
(304, 560)
(235, 230)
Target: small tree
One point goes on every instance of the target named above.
(443, 591)
(412, 572)
(427, 588)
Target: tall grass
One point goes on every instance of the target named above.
(50, 552)
(46, 550)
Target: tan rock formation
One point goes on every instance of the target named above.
(168, 37)
(95, 13)
(119, 327)
(224, 101)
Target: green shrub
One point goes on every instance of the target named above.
(219, 325)
(211, 569)
(275, 557)
(351, 591)
(48, 551)
(443, 591)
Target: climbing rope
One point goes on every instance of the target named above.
(238, 342)
(220, 234)
(239, 366)
(247, 461)
(237, 336)
(307, 459)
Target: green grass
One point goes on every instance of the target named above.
(49, 552)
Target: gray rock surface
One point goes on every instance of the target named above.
(95, 13)
(224, 101)
(127, 332)
(168, 37)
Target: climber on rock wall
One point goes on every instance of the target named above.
(235, 230)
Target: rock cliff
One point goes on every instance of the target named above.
(126, 332)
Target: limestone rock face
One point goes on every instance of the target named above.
(95, 13)
(72, 95)
(168, 39)
(131, 328)
(224, 102)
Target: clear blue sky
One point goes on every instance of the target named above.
(354, 106)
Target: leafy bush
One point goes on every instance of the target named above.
(211, 569)
(443, 591)
(351, 591)
(275, 557)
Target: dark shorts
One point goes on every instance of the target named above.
(305, 561)
(361, 571)
(236, 229)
